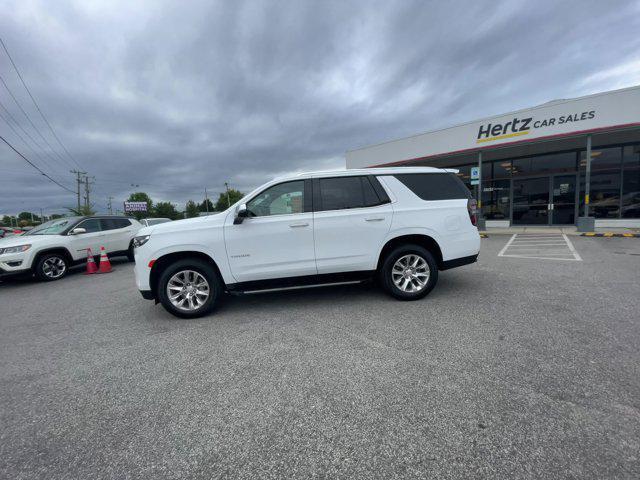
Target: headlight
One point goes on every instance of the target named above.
(141, 240)
(18, 249)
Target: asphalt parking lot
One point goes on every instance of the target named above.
(511, 368)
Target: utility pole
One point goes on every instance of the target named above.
(109, 205)
(41, 217)
(206, 200)
(226, 185)
(78, 182)
(87, 200)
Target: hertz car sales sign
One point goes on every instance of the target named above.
(579, 116)
(523, 126)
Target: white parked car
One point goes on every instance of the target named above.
(400, 225)
(149, 222)
(48, 250)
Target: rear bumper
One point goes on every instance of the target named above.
(459, 262)
(147, 294)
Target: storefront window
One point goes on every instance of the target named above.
(465, 175)
(545, 164)
(495, 200)
(631, 182)
(605, 182)
(501, 169)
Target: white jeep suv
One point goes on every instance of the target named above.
(399, 225)
(48, 250)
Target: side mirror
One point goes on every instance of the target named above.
(78, 231)
(241, 214)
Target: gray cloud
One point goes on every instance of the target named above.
(179, 96)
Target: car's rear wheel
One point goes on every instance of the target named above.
(189, 288)
(409, 272)
(51, 266)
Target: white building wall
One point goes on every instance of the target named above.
(563, 117)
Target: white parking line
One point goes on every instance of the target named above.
(507, 245)
(540, 246)
(572, 248)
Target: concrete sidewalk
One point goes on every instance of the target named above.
(565, 230)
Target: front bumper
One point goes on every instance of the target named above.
(15, 272)
(15, 264)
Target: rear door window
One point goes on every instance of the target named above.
(114, 223)
(339, 193)
(435, 186)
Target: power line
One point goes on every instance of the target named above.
(35, 166)
(36, 103)
(44, 151)
(31, 121)
(24, 142)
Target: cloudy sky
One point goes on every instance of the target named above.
(179, 96)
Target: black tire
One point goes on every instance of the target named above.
(51, 267)
(387, 279)
(130, 254)
(202, 268)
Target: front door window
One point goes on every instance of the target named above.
(282, 199)
(563, 201)
(531, 201)
(544, 200)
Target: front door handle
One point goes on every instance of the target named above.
(298, 225)
(374, 219)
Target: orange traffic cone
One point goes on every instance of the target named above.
(91, 263)
(105, 264)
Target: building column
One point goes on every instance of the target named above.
(481, 222)
(586, 223)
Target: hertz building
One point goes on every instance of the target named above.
(565, 162)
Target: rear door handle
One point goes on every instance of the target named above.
(374, 219)
(298, 225)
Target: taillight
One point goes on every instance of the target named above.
(472, 207)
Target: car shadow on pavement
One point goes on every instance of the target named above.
(29, 279)
(253, 305)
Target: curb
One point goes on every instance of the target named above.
(609, 234)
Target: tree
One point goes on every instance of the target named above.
(8, 221)
(191, 209)
(223, 202)
(203, 206)
(141, 197)
(28, 218)
(166, 210)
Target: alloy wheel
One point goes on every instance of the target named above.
(54, 267)
(410, 273)
(188, 290)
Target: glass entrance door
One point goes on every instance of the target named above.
(544, 200)
(531, 201)
(563, 200)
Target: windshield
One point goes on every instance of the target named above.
(53, 227)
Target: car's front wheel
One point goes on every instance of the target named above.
(409, 272)
(189, 288)
(51, 266)
(130, 253)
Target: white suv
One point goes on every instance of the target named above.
(48, 250)
(401, 225)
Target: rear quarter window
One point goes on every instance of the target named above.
(435, 186)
